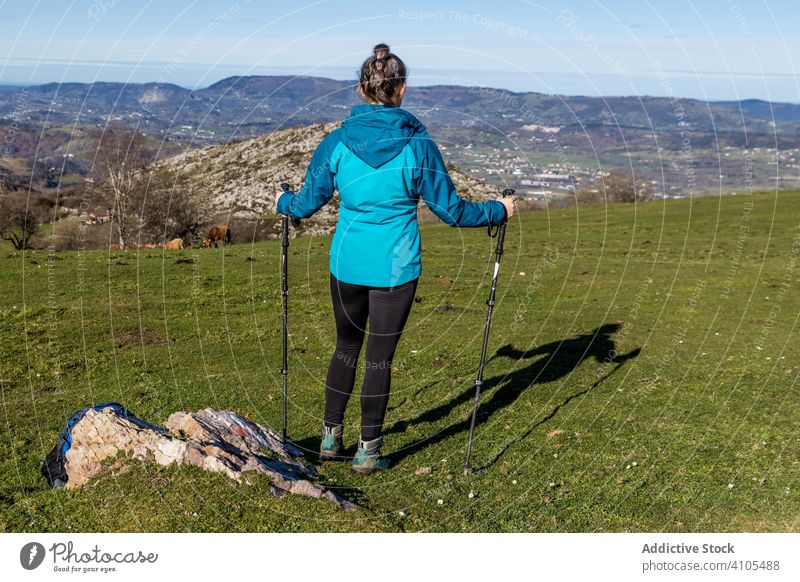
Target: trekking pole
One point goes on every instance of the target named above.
(500, 233)
(285, 301)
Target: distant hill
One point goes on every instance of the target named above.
(250, 105)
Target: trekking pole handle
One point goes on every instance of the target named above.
(501, 230)
(501, 237)
(295, 221)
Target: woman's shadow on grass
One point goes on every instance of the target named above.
(558, 359)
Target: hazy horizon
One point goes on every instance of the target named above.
(430, 82)
(717, 51)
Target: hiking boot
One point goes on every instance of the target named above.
(368, 457)
(332, 447)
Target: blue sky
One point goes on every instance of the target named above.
(713, 49)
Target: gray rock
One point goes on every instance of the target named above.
(214, 440)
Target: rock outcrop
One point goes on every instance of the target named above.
(214, 440)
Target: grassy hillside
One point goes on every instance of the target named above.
(699, 432)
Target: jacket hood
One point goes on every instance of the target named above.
(377, 133)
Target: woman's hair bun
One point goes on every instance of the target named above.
(381, 76)
(381, 51)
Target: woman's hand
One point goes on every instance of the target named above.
(508, 202)
(275, 206)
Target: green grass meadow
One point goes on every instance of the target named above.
(642, 376)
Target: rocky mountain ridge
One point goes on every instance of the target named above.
(242, 179)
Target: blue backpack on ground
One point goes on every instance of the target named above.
(53, 465)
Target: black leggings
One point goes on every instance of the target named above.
(387, 309)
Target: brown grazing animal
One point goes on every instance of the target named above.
(206, 243)
(220, 233)
(175, 244)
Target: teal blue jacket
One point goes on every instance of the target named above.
(381, 160)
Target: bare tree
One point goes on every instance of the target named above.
(172, 208)
(121, 156)
(622, 187)
(616, 187)
(19, 220)
(589, 194)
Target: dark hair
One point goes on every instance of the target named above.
(382, 75)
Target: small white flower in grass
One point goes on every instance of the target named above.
(401, 513)
(38, 375)
(627, 467)
(522, 273)
(440, 502)
(769, 358)
(634, 463)
(414, 351)
(759, 348)
(471, 494)
(552, 484)
(717, 333)
(514, 482)
(730, 485)
(555, 455)
(680, 341)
